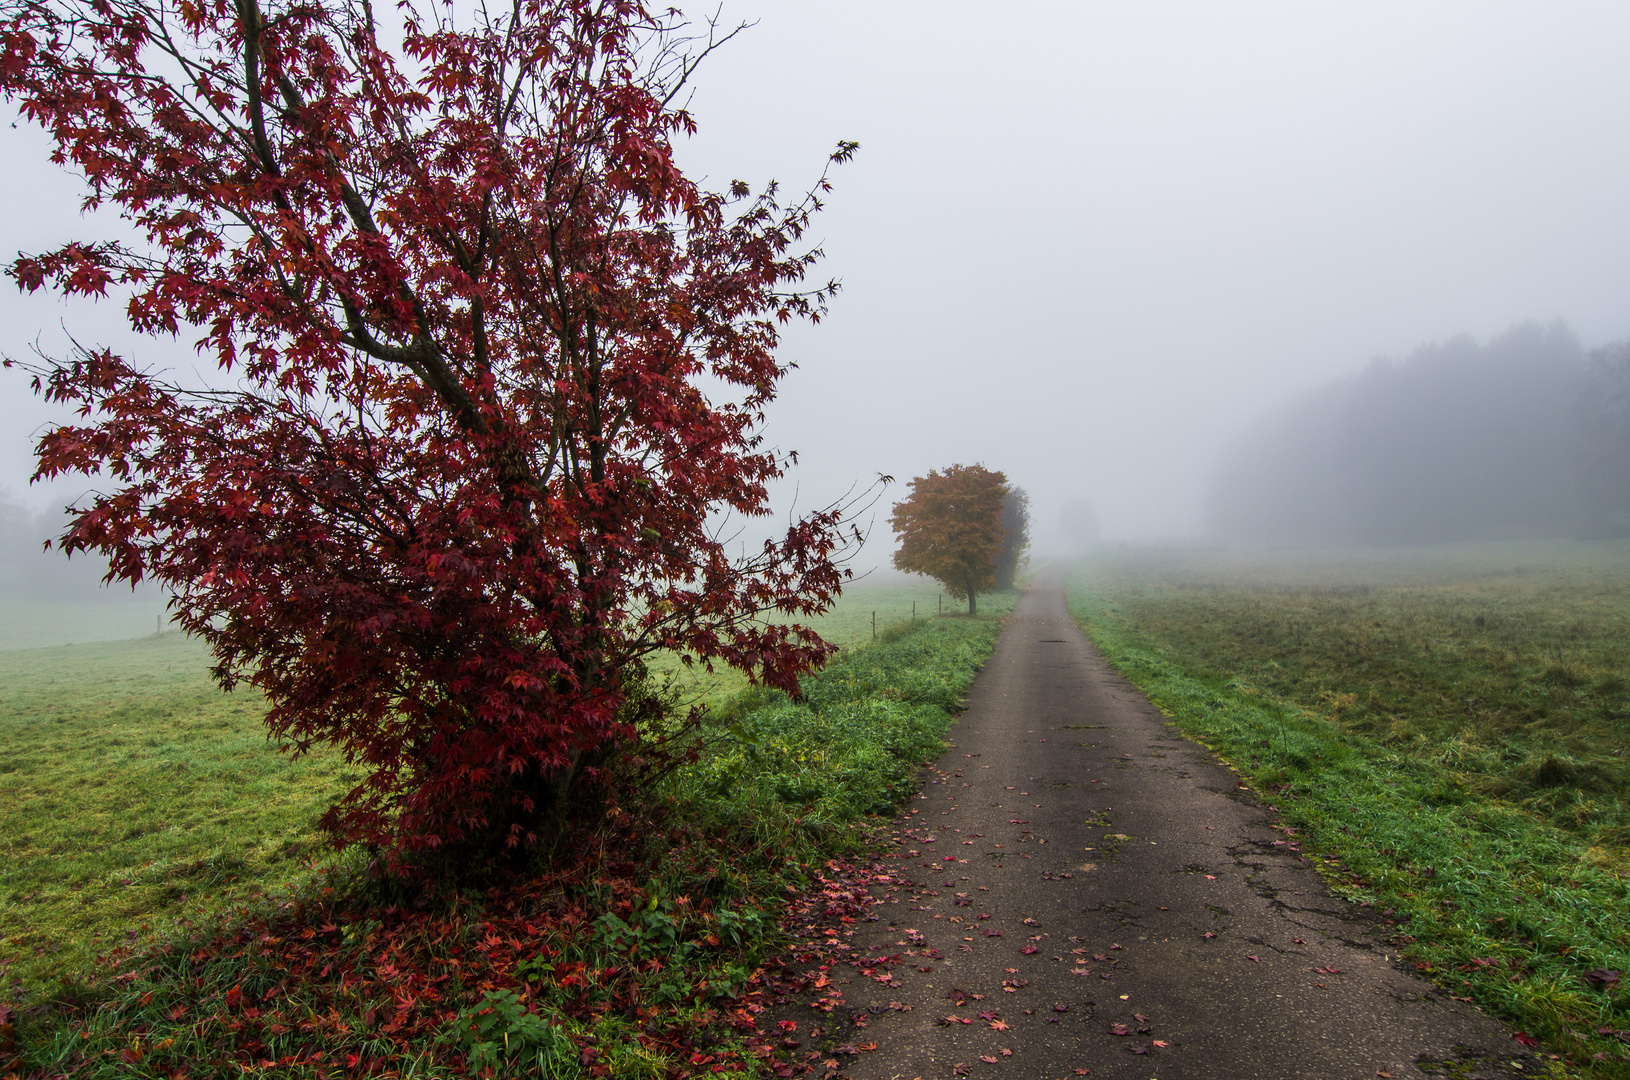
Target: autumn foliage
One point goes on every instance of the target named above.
(452, 479)
(950, 528)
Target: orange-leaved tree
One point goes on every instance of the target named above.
(950, 528)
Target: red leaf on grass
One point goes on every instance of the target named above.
(1525, 1038)
(1603, 977)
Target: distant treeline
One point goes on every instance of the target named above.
(1527, 436)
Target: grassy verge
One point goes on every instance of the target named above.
(1449, 732)
(626, 959)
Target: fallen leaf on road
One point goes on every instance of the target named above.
(1031, 922)
(1211, 877)
(1082, 1072)
(988, 1059)
(1328, 970)
(1382, 1073)
(1297, 941)
(1029, 949)
(1119, 1029)
(998, 1025)
(1254, 959)
(1162, 1043)
(1138, 1049)
(1208, 935)
(1141, 1018)
(1007, 1053)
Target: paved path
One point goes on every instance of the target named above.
(1075, 868)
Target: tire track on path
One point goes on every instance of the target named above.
(1079, 887)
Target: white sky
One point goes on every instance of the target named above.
(1086, 242)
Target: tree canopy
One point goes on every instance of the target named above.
(454, 476)
(1015, 553)
(950, 528)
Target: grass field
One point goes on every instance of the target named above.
(1450, 727)
(848, 625)
(138, 782)
(133, 792)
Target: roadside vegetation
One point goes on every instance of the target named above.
(168, 908)
(1446, 731)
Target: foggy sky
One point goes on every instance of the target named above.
(1088, 244)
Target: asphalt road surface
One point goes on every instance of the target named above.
(1079, 887)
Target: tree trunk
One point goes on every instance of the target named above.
(973, 602)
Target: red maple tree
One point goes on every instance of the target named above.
(456, 474)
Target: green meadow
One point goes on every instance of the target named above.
(134, 792)
(1449, 728)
